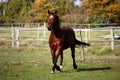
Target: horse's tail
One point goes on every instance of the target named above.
(81, 43)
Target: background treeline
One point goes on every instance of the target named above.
(91, 11)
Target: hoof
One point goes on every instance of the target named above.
(58, 68)
(52, 72)
(75, 66)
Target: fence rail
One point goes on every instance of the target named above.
(36, 31)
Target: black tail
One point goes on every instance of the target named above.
(81, 43)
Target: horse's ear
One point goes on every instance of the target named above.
(55, 11)
(48, 12)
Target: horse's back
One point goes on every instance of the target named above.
(69, 37)
(68, 32)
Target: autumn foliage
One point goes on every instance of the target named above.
(103, 11)
(91, 11)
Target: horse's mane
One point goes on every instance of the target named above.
(57, 20)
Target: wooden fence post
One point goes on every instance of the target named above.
(82, 48)
(44, 30)
(13, 36)
(38, 31)
(86, 34)
(112, 39)
(89, 30)
(17, 38)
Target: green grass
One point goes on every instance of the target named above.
(86, 71)
(32, 61)
(35, 64)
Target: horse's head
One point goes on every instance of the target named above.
(53, 20)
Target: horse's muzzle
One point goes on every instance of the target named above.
(49, 28)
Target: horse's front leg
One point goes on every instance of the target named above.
(54, 60)
(53, 56)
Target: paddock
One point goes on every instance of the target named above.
(31, 60)
(35, 64)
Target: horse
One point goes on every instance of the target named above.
(61, 39)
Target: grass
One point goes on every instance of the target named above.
(35, 64)
(32, 61)
(87, 71)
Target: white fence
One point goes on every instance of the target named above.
(101, 35)
(16, 38)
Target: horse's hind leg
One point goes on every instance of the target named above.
(61, 60)
(73, 57)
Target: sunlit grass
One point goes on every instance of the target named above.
(32, 61)
(35, 64)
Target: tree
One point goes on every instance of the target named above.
(15, 11)
(40, 7)
(32, 10)
(102, 11)
(38, 11)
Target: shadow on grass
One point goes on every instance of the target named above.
(93, 69)
(89, 69)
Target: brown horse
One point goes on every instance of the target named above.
(61, 39)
